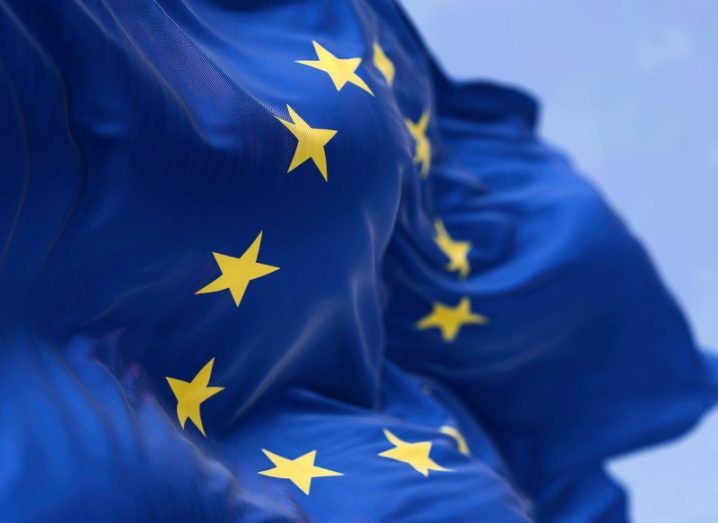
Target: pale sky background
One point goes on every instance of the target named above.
(630, 90)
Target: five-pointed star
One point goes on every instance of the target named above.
(450, 319)
(414, 454)
(299, 471)
(456, 251)
(383, 64)
(458, 437)
(423, 146)
(238, 272)
(191, 394)
(310, 142)
(340, 70)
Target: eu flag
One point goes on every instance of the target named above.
(260, 260)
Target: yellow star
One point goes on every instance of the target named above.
(238, 272)
(458, 437)
(414, 454)
(450, 319)
(299, 471)
(457, 252)
(340, 70)
(382, 62)
(423, 146)
(191, 394)
(310, 142)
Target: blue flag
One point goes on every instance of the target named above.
(262, 261)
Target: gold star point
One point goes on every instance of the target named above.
(340, 70)
(300, 471)
(422, 154)
(310, 142)
(191, 394)
(414, 454)
(238, 272)
(458, 437)
(456, 251)
(383, 64)
(449, 320)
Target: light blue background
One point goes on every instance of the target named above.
(630, 90)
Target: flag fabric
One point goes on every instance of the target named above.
(262, 261)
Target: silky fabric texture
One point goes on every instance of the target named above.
(262, 261)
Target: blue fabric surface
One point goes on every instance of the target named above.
(387, 298)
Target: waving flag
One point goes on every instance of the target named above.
(262, 261)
